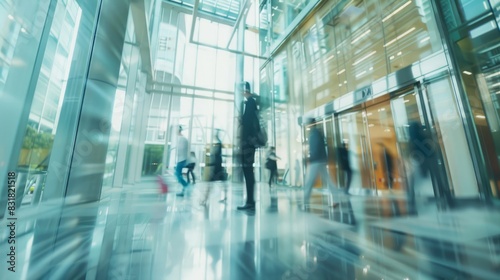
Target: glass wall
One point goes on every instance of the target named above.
(473, 32)
(348, 46)
(194, 87)
(36, 58)
(277, 18)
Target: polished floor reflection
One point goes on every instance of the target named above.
(136, 233)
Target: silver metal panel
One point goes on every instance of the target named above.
(379, 87)
(432, 63)
(91, 144)
(403, 76)
(82, 158)
(64, 140)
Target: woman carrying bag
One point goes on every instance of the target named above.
(217, 172)
(272, 165)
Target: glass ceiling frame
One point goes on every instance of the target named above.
(228, 12)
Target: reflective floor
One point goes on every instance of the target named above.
(136, 233)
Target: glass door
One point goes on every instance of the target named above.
(408, 115)
(354, 133)
(330, 148)
(385, 153)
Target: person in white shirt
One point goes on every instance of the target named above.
(182, 156)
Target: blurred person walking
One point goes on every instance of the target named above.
(191, 164)
(182, 155)
(424, 157)
(272, 165)
(317, 163)
(217, 172)
(345, 165)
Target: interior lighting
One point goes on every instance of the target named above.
(360, 74)
(329, 58)
(341, 71)
(371, 68)
(363, 58)
(340, 85)
(361, 36)
(467, 73)
(23, 30)
(400, 36)
(425, 39)
(493, 75)
(392, 57)
(10, 17)
(406, 100)
(371, 125)
(397, 11)
(312, 70)
(399, 53)
(480, 117)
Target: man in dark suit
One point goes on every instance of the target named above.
(249, 130)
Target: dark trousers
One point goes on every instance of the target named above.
(348, 178)
(190, 171)
(273, 175)
(247, 159)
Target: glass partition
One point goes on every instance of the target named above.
(473, 32)
(352, 44)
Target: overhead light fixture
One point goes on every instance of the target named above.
(397, 11)
(360, 36)
(312, 70)
(493, 75)
(329, 58)
(480, 117)
(361, 74)
(341, 71)
(467, 73)
(400, 36)
(363, 58)
(425, 39)
(10, 17)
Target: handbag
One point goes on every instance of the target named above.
(261, 137)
